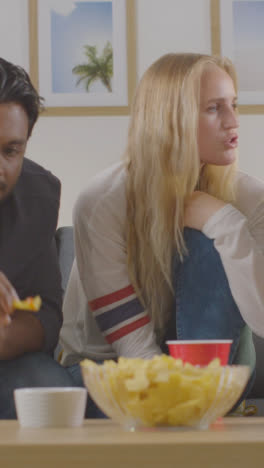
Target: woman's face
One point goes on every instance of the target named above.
(218, 119)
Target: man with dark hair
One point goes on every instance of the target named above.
(29, 204)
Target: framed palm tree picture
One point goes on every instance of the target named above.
(82, 55)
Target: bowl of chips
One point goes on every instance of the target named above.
(163, 391)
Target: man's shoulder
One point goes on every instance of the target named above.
(36, 197)
(37, 181)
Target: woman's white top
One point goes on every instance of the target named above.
(103, 318)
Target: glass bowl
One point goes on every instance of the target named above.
(163, 391)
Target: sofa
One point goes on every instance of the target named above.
(256, 396)
(65, 248)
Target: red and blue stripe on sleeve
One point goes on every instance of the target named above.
(119, 313)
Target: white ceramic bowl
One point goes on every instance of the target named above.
(50, 406)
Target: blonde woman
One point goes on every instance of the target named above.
(169, 242)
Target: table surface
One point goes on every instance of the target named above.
(230, 442)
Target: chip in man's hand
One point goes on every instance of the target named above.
(30, 303)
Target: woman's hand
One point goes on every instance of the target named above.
(199, 208)
(7, 295)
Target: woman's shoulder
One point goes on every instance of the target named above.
(104, 193)
(246, 180)
(250, 191)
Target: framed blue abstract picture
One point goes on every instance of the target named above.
(238, 33)
(82, 57)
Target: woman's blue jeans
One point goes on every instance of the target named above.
(204, 306)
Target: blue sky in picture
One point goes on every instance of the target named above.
(248, 21)
(88, 23)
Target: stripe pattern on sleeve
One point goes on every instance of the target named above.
(119, 313)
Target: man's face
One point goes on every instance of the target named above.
(13, 141)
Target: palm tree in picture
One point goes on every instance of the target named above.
(96, 68)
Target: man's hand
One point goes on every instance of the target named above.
(7, 296)
(24, 333)
(199, 208)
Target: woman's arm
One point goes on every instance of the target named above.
(199, 208)
(102, 264)
(238, 235)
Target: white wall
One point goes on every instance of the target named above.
(76, 148)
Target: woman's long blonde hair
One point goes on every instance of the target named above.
(163, 169)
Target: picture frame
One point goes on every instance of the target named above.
(68, 43)
(237, 33)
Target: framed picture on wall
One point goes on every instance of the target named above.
(82, 55)
(238, 33)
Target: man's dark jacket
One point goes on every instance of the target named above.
(28, 256)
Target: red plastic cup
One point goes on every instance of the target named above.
(200, 352)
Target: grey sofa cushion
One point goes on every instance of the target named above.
(65, 249)
(257, 390)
